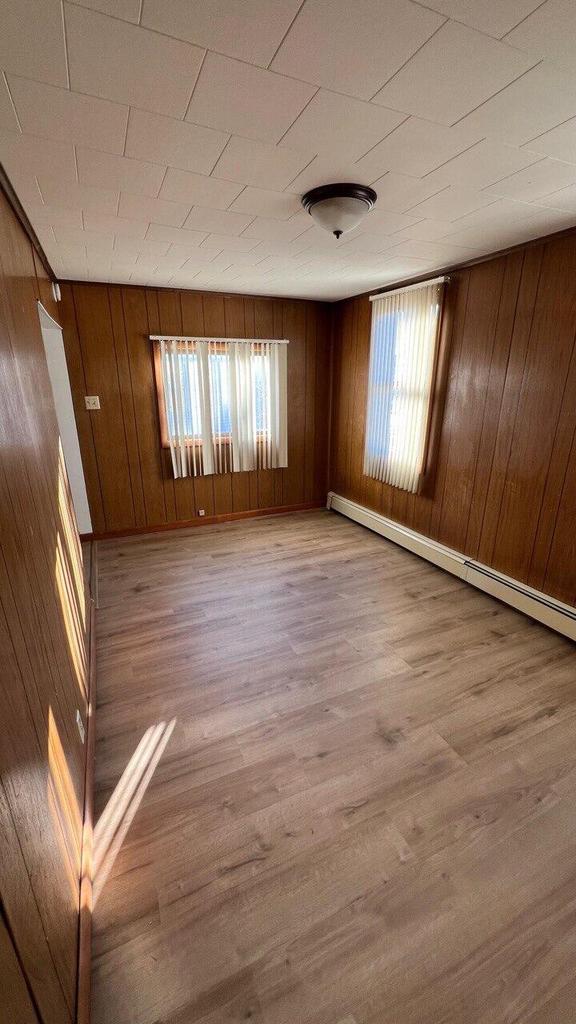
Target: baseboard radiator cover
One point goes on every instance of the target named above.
(558, 616)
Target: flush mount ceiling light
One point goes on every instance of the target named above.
(339, 207)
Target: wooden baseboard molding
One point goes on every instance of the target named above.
(558, 616)
(85, 917)
(186, 524)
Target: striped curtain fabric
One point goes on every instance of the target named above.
(225, 404)
(405, 328)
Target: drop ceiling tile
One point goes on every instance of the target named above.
(218, 221)
(323, 170)
(561, 199)
(549, 32)
(482, 165)
(198, 189)
(265, 228)
(259, 164)
(133, 65)
(559, 143)
(427, 231)
(353, 48)
(333, 124)
(453, 202)
(80, 197)
(239, 259)
(543, 222)
(200, 259)
(173, 260)
(285, 263)
(169, 141)
(98, 241)
(384, 221)
(45, 110)
(532, 183)
(251, 30)
(491, 236)
(398, 268)
(131, 247)
(500, 214)
(490, 16)
(125, 263)
(46, 215)
(159, 211)
(65, 252)
(175, 236)
(534, 103)
(240, 98)
(24, 156)
(365, 242)
(8, 119)
(229, 243)
(266, 203)
(452, 74)
(397, 193)
(443, 252)
(120, 226)
(274, 247)
(184, 278)
(32, 40)
(106, 170)
(416, 148)
(127, 10)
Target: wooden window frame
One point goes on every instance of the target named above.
(223, 439)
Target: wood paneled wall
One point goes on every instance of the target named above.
(129, 476)
(43, 658)
(505, 488)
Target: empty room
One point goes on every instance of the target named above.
(287, 511)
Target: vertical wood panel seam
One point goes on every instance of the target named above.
(122, 410)
(566, 468)
(518, 397)
(129, 361)
(456, 368)
(156, 420)
(502, 393)
(481, 434)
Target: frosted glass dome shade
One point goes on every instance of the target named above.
(340, 207)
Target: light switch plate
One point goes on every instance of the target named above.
(92, 401)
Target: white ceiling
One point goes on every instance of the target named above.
(167, 142)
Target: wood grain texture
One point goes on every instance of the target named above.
(129, 475)
(365, 811)
(16, 1006)
(42, 640)
(505, 485)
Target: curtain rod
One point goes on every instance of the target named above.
(245, 341)
(409, 288)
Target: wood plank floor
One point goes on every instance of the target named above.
(366, 811)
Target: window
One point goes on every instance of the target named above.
(222, 403)
(403, 357)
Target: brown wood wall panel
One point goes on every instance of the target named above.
(128, 474)
(505, 486)
(16, 1006)
(43, 643)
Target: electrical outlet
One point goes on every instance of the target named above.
(92, 401)
(80, 724)
(201, 512)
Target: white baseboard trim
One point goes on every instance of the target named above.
(558, 616)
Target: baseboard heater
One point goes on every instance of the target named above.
(558, 616)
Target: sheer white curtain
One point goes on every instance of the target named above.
(224, 404)
(405, 326)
